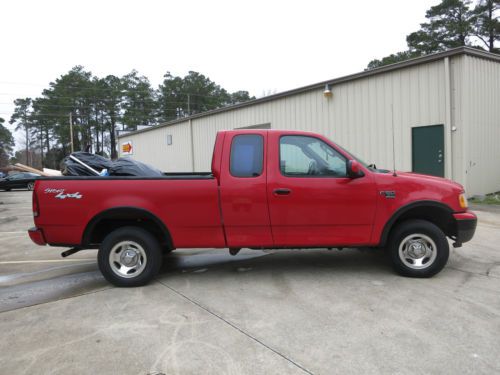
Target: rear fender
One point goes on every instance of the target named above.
(127, 214)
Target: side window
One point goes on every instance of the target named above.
(303, 156)
(247, 154)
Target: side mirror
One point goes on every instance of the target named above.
(353, 169)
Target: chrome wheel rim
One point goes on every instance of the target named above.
(127, 259)
(417, 251)
(30, 186)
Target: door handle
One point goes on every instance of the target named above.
(281, 191)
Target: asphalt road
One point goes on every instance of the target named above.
(274, 312)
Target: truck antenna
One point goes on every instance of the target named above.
(393, 143)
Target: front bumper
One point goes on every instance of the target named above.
(465, 226)
(36, 235)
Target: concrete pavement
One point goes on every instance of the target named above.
(261, 312)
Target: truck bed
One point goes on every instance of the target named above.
(166, 176)
(185, 203)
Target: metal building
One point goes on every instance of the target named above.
(441, 110)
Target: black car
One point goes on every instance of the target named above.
(23, 180)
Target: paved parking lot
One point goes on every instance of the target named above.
(261, 312)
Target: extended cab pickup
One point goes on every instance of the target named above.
(267, 189)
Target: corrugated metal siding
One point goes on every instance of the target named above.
(151, 147)
(458, 109)
(358, 117)
(481, 116)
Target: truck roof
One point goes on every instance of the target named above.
(264, 131)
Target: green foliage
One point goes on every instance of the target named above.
(451, 24)
(6, 143)
(23, 120)
(171, 97)
(392, 59)
(493, 198)
(240, 97)
(99, 107)
(486, 25)
(111, 87)
(192, 94)
(139, 104)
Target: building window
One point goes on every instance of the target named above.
(247, 155)
(302, 156)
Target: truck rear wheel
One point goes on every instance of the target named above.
(418, 248)
(129, 256)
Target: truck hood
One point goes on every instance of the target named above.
(431, 179)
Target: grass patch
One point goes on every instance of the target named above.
(493, 198)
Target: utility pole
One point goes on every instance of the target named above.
(27, 138)
(189, 105)
(71, 130)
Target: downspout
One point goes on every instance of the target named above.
(192, 143)
(448, 126)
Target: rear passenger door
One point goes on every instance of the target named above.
(243, 190)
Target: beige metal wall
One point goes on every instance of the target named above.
(481, 120)
(151, 147)
(358, 116)
(459, 92)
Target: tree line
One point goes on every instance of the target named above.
(451, 24)
(6, 143)
(98, 108)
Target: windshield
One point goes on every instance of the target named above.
(371, 167)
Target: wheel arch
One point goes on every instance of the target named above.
(437, 213)
(108, 220)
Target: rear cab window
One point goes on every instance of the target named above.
(247, 155)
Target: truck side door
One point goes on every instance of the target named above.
(243, 191)
(312, 201)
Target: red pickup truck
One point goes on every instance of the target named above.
(267, 189)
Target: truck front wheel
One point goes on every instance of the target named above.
(418, 248)
(129, 256)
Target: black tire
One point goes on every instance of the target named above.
(135, 241)
(416, 237)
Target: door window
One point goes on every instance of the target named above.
(247, 155)
(302, 156)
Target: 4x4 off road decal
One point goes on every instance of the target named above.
(60, 194)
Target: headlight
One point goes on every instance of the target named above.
(462, 200)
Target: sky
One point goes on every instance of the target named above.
(258, 46)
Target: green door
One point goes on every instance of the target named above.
(428, 150)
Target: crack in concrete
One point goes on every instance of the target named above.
(234, 326)
(58, 300)
(8, 219)
(487, 274)
(495, 264)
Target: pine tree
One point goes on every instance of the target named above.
(6, 143)
(486, 23)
